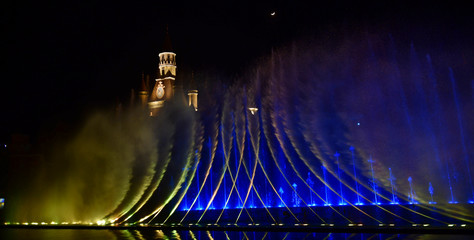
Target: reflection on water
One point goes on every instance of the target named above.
(66, 234)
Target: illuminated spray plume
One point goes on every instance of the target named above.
(309, 136)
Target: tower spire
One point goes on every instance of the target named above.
(164, 88)
(167, 47)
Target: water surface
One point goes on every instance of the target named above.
(82, 234)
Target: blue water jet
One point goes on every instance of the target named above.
(295, 199)
(431, 191)
(310, 189)
(280, 191)
(412, 194)
(326, 183)
(461, 131)
(341, 194)
(351, 148)
(392, 185)
(373, 183)
(450, 185)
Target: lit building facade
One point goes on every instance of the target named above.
(164, 88)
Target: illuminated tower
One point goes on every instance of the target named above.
(165, 82)
(193, 95)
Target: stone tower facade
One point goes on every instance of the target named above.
(164, 88)
(193, 94)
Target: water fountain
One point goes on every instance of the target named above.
(311, 186)
(431, 190)
(278, 164)
(358, 202)
(373, 183)
(392, 186)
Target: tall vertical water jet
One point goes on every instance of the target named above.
(356, 180)
(294, 196)
(199, 206)
(461, 133)
(412, 194)
(431, 191)
(310, 182)
(326, 183)
(450, 184)
(373, 183)
(341, 194)
(392, 186)
(224, 165)
(280, 191)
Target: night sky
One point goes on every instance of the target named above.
(63, 59)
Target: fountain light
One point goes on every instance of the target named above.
(253, 110)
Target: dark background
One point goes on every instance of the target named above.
(64, 59)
